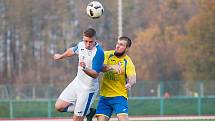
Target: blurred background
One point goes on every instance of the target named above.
(173, 50)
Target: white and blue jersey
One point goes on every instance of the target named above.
(82, 91)
(94, 60)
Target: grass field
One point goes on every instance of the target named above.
(137, 107)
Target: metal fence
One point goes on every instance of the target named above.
(146, 98)
(141, 89)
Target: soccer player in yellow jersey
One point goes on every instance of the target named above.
(119, 76)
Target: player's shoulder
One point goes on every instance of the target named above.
(81, 43)
(128, 59)
(99, 47)
(109, 52)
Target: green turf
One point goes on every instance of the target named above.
(138, 107)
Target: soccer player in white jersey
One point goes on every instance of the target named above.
(79, 95)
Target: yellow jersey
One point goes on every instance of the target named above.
(113, 84)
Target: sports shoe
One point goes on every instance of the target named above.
(91, 114)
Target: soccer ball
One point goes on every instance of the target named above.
(94, 9)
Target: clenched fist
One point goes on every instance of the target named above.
(57, 56)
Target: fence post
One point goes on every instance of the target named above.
(49, 108)
(161, 98)
(11, 108)
(49, 101)
(200, 91)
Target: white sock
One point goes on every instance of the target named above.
(71, 108)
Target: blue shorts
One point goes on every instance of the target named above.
(107, 105)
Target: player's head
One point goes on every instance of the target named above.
(89, 38)
(122, 46)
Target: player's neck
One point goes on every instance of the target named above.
(119, 55)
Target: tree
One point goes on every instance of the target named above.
(201, 32)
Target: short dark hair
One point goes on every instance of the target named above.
(90, 32)
(127, 39)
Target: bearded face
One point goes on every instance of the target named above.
(120, 48)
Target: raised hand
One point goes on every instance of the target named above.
(57, 56)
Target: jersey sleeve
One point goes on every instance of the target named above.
(75, 49)
(106, 56)
(98, 60)
(130, 68)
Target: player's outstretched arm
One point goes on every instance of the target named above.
(67, 53)
(116, 68)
